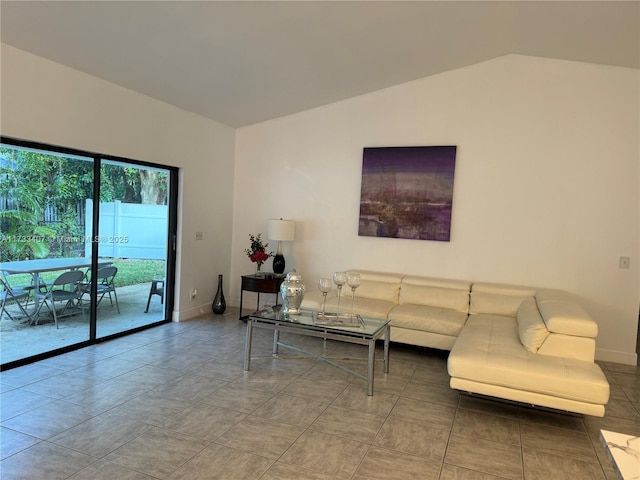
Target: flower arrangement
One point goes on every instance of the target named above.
(257, 253)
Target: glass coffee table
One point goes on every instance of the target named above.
(351, 329)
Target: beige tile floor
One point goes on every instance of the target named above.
(173, 402)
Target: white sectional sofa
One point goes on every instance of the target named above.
(530, 345)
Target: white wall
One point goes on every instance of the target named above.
(545, 193)
(546, 185)
(46, 102)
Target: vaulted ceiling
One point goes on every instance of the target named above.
(242, 62)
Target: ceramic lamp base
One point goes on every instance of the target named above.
(278, 263)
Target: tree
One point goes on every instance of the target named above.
(43, 196)
(153, 187)
(22, 234)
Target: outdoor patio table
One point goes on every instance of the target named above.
(38, 266)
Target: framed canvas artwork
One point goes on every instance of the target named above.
(407, 192)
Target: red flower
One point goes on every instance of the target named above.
(257, 253)
(259, 256)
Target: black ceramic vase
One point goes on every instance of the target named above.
(219, 305)
(278, 263)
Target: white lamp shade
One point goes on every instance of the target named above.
(281, 230)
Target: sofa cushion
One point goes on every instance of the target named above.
(562, 315)
(428, 319)
(376, 285)
(313, 299)
(367, 307)
(498, 299)
(502, 289)
(533, 332)
(488, 350)
(569, 346)
(495, 304)
(433, 292)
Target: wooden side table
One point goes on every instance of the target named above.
(266, 283)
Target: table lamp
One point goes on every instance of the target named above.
(282, 231)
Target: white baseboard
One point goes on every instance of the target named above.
(614, 356)
(191, 312)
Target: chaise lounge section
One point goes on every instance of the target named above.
(535, 346)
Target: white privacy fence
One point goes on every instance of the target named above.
(129, 230)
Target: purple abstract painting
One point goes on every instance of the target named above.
(407, 192)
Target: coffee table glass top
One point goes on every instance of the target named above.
(355, 324)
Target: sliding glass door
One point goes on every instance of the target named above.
(41, 218)
(133, 232)
(111, 219)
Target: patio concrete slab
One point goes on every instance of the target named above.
(18, 339)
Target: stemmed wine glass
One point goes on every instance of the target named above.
(339, 278)
(353, 280)
(324, 284)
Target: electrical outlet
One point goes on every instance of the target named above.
(198, 235)
(194, 293)
(624, 262)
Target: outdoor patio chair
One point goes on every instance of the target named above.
(106, 276)
(28, 288)
(8, 294)
(106, 285)
(66, 289)
(157, 288)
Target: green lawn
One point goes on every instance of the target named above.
(130, 272)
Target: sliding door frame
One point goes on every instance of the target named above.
(170, 266)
